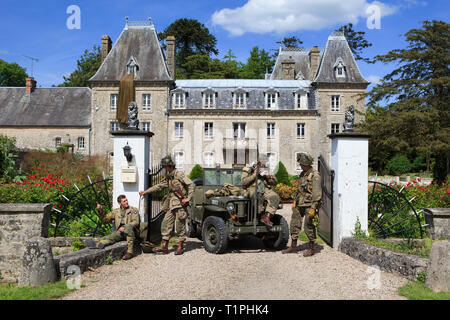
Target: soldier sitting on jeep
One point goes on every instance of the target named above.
(265, 184)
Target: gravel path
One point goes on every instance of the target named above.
(246, 272)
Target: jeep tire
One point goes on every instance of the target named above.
(214, 235)
(277, 240)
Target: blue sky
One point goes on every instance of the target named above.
(39, 28)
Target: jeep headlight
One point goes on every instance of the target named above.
(230, 206)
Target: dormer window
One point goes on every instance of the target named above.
(339, 68)
(132, 66)
(178, 99)
(209, 98)
(271, 97)
(239, 99)
(301, 99)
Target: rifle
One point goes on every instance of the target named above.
(178, 193)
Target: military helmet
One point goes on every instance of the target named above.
(304, 159)
(167, 161)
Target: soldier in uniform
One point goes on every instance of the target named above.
(181, 190)
(306, 203)
(266, 182)
(126, 219)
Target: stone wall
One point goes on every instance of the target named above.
(19, 223)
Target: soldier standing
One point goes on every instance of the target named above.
(181, 189)
(266, 182)
(305, 205)
(126, 219)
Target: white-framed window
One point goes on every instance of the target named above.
(146, 101)
(335, 101)
(340, 70)
(239, 99)
(208, 159)
(80, 142)
(239, 130)
(271, 100)
(178, 100)
(145, 126)
(209, 130)
(114, 126)
(271, 130)
(335, 128)
(301, 132)
(179, 126)
(113, 101)
(272, 160)
(209, 99)
(301, 100)
(179, 159)
(57, 142)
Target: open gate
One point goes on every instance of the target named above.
(325, 229)
(154, 203)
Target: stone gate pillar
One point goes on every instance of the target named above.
(130, 175)
(350, 161)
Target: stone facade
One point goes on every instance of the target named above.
(19, 223)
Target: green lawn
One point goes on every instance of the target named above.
(418, 291)
(47, 292)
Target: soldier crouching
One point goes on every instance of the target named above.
(306, 203)
(181, 190)
(126, 220)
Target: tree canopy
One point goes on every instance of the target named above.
(257, 65)
(87, 66)
(415, 118)
(12, 75)
(356, 42)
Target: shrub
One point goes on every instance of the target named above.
(196, 172)
(285, 192)
(440, 168)
(8, 156)
(399, 165)
(419, 164)
(282, 175)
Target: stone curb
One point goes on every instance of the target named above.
(402, 264)
(88, 257)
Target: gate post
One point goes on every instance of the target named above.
(350, 161)
(130, 175)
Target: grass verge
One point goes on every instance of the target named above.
(47, 292)
(421, 251)
(418, 291)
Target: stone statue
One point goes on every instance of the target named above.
(133, 122)
(349, 119)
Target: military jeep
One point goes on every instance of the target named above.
(219, 218)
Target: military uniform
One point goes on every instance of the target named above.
(306, 202)
(129, 219)
(265, 184)
(176, 212)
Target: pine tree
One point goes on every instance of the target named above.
(196, 172)
(282, 175)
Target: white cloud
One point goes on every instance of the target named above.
(373, 79)
(283, 16)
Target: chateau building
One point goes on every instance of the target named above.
(206, 122)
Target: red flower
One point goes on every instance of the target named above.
(448, 191)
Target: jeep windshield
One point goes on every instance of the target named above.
(214, 177)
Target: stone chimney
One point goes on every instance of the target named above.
(30, 85)
(314, 59)
(106, 46)
(287, 69)
(170, 59)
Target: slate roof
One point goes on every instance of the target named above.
(336, 49)
(137, 40)
(301, 58)
(46, 107)
(254, 88)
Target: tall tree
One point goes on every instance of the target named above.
(356, 41)
(257, 65)
(192, 37)
(416, 92)
(87, 66)
(290, 42)
(12, 75)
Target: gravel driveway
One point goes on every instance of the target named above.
(247, 271)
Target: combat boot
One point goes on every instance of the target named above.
(127, 256)
(265, 218)
(310, 251)
(180, 249)
(292, 248)
(164, 249)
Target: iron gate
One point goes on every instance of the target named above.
(325, 229)
(154, 203)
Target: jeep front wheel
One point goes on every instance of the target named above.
(277, 240)
(214, 235)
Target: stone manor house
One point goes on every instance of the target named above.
(207, 121)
